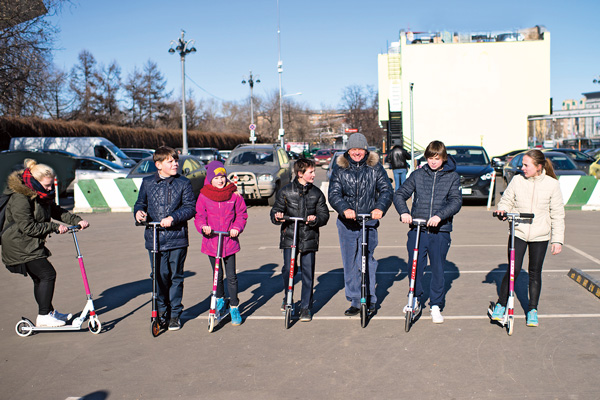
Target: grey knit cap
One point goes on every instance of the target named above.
(357, 141)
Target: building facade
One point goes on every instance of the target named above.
(465, 89)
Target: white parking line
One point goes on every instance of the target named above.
(401, 317)
(426, 272)
(402, 246)
(583, 253)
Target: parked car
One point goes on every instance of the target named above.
(96, 168)
(582, 160)
(224, 154)
(562, 163)
(595, 169)
(189, 166)
(329, 167)
(292, 155)
(259, 170)
(323, 156)
(205, 154)
(475, 170)
(499, 162)
(62, 164)
(137, 154)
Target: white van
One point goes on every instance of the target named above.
(79, 146)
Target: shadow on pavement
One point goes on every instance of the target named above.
(451, 273)
(386, 281)
(328, 285)
(521, 284)
(117, 296)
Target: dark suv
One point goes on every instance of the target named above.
(475, 170)
(259, 170)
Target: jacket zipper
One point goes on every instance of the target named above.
(432, 193)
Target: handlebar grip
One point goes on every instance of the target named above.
(526, 215)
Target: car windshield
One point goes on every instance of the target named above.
(251, 157)
(145, 167)
(563, 163)
(469, 156)
(201, 152)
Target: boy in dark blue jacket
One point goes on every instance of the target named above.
(167, 197)
(436, 187)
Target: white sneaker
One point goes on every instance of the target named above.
(47, 321)
(61, 316)
(436, 315)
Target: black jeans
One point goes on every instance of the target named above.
(537, 252)
(43, 275)
(232, 282)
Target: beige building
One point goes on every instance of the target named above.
(467, 89)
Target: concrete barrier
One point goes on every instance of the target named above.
(106, 195)
(587, 281)
(580, 192)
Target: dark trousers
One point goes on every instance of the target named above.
(436, 246)
(169, 279)
(43, 275)
(307, 268)
(537, 253)
(228, 263)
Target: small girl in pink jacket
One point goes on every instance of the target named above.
(221, 208)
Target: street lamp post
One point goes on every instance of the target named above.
(280, 71)
(251, 83)
(183, 48)
(412, 129)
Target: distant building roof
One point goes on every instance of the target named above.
(592, 95)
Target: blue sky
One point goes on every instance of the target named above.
(325, 45)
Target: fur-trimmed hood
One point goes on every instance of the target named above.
(16, 184)
(344, 161)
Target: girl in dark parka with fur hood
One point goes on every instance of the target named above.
(28, 222)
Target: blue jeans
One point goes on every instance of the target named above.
(399, 177)
(436, 245)
(307, 268)
(169, 279)
(350, 245)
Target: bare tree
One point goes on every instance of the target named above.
(55, 99)
(109, 87)
(361, 104)
(155, 96)
(26, 41)
(85, 86)
(134, 89)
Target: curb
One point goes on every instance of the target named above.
(592, 285)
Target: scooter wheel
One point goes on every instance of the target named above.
(407, 321)
(94, 325)
(363, 315)
(24, 328)
(155, 328)
(288, 317)
(211, 323)
(510, 325)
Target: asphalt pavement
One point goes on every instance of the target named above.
(332, 357)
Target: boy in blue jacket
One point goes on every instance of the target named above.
(167, 197)
(437, 197)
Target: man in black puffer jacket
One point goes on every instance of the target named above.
(437, 197)
(300, 198)
(359, 185)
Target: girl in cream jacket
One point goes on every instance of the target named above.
(537, 192)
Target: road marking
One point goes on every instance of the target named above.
(426, 272)
(583, 253)
(401, 317)
(400, 246)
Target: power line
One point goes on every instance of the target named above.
(204, 90)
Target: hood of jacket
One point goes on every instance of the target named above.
(15, 184)
(371, 159)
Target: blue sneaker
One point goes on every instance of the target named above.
(532, 318)
(236, 318)
(498, 313)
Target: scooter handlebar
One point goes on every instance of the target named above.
(363, 216)
(419, 222)
(501, 216)
(148, 224)
(288, 218)
(224, 233)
